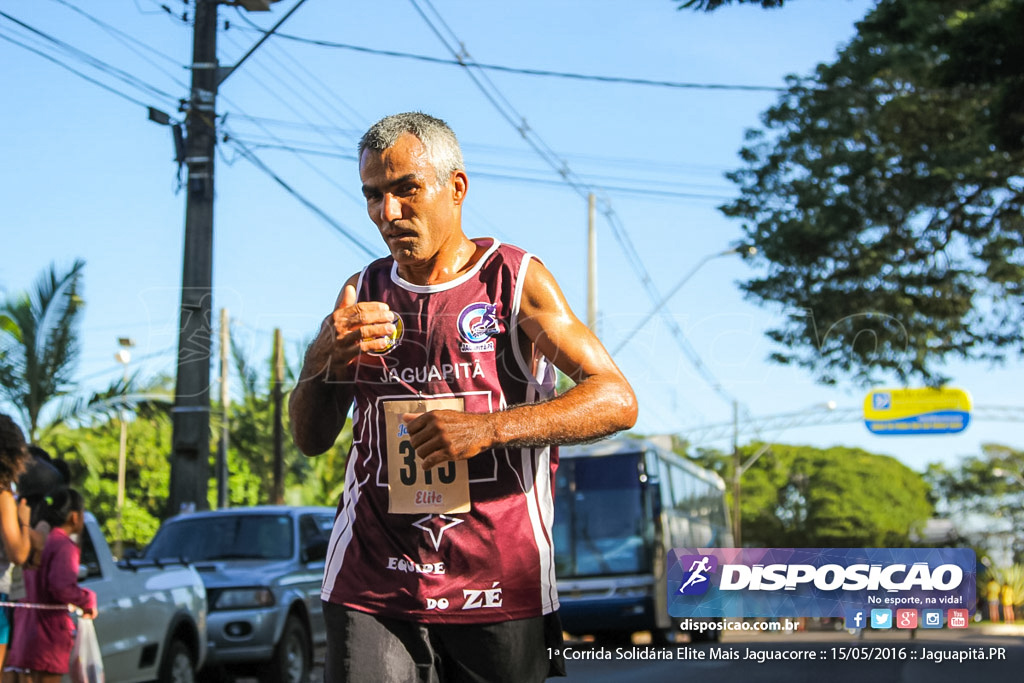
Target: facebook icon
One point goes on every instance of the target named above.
(855, 618)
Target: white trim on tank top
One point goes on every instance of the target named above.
(429, 289)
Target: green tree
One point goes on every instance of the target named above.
(91, 451)
(39, 345)
(308, 481)
(988, 486)
(799, 496)
(885, 195)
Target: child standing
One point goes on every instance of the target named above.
(43, 638)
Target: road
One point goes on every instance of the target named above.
(809, 657)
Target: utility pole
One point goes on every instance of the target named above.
(277, 495)
(225, 403)
(190, 459)
(737, 472)
(592, 263)
(124, 356)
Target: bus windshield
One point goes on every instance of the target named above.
(600, 523)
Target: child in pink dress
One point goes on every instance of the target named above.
(43, 638)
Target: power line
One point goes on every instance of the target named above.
(95, 62)
(348, 193)
(73, 70)
(125, 39)
(489, 149)
(331, 93)
(646, 191)
(623, 189)
(625, 80)
(337, 225)
(125, 76)
(533, 139)
(163, 8)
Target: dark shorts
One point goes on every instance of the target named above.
(366, 647)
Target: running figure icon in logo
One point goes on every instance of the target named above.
(477, 323)
(696, 582)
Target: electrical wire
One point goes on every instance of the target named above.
(78, 73)
(324, 130)
(517, 121)
(488, 149)
(334, 144)
(620, 189)
(360, 120)
(92, 61)
(250, 156)
(624, 80)
(125, 39)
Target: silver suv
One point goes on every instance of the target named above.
(262, 567)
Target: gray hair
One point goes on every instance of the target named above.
(437, 137)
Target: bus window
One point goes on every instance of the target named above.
(682, 489)
(600, 522)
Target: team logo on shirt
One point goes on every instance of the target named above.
(394, 339)
(478, 322)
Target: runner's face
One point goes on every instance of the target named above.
(414, 215)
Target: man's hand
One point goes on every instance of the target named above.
(354, 329)
(323, 395)
(443, 435)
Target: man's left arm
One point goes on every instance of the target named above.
(601, 403)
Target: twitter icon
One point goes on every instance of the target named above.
(881, 618)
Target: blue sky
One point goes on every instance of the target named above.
(87, 175)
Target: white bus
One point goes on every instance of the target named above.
(620, 506)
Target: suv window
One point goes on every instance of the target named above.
(88, 559)
(309, 531)
(315, 533)
(225, 537)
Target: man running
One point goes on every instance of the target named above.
(441, 564)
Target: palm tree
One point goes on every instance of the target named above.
(39, 343)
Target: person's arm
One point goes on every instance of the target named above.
(62, 578)
(14, 529)
(320, 402)
(601, 403)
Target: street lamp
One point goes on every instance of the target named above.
(740, 467)
(123, 356)
(743, 250)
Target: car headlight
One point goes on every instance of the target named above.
(244, 598)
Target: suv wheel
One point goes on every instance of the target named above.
(293, 656)
(178, 666)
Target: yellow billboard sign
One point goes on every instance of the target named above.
(917, 411)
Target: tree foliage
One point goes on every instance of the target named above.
(711, 5)
(92, 450)
(885, 196)
(988, 486)
(307, 481)
(805, 497)
(39, 344)
(38, 349)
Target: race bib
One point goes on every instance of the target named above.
(411, 489)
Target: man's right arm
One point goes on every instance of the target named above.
(320, 402)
